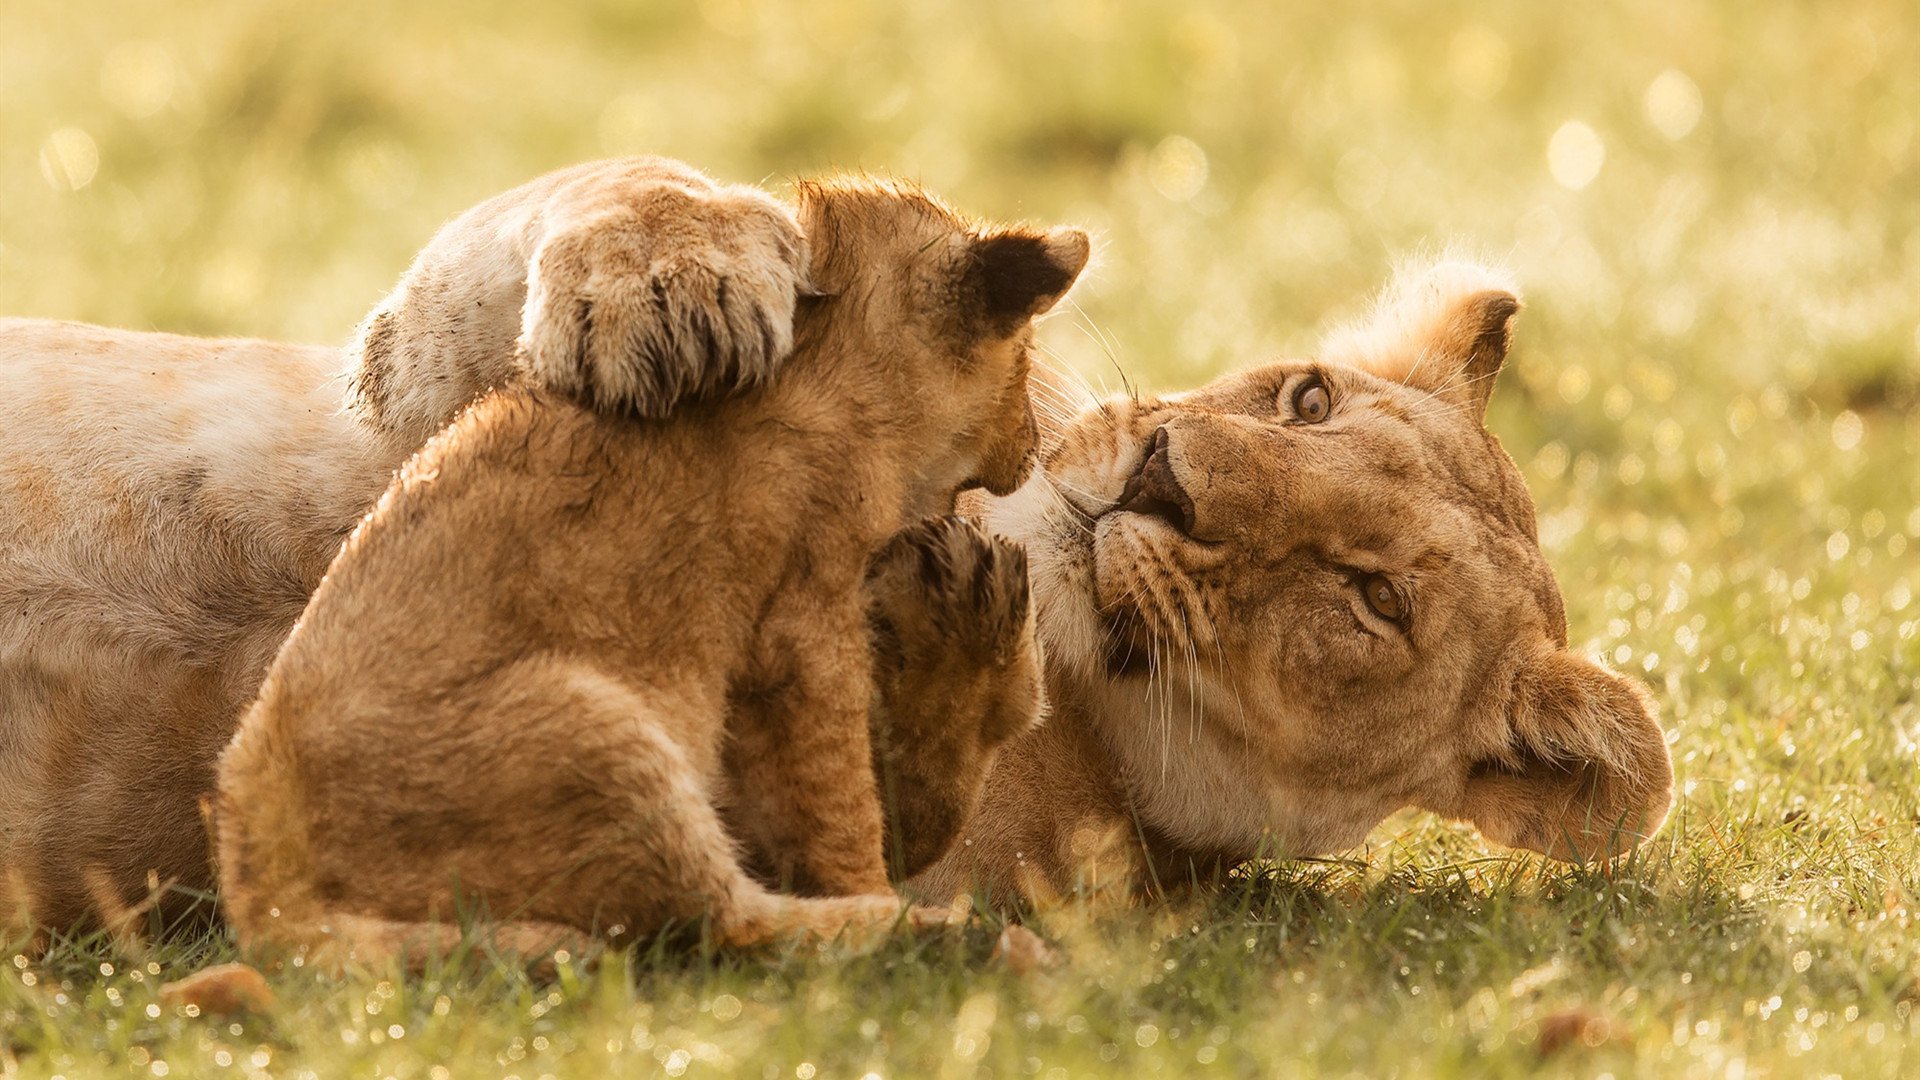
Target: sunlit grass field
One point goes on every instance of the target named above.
(1713, 208)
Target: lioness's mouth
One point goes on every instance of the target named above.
(1155, 491)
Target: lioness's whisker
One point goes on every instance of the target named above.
(1088, 327)
(1059, 367)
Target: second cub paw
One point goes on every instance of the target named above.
(947, 586)
(675, 295)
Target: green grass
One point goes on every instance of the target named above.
(1713, 394)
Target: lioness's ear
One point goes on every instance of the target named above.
(1017, 274)
(1443, 327)
(1585, 775)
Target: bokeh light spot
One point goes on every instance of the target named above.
(627, 123)
(1573, 384)
(69, 159)
(1178, 168)
(138, 78)
(1360, 179)
(1848, 430)
(1575, 154)
(1673, 104)
(1478, 59)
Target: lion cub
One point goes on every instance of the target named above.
(519, 687)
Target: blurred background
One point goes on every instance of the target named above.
(1713, 208)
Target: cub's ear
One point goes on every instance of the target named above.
(1442, 327)
(1016, 274)
(1585, 774)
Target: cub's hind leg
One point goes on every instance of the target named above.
(651, 849)
(553, 799)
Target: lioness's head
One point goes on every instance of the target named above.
(951, 305)
(1311, 593)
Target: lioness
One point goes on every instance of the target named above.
(1280, 607)
(634, 623)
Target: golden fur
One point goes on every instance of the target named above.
(168, 504)
(1220, 687)
(569, 648)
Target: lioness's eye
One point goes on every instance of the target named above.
(1312, 403)
(1383, 598)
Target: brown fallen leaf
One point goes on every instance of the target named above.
(1023, 952)
(1577, 1025)
(223, 990)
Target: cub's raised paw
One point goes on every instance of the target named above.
(945, 586)
(956, 674)
(674, 295)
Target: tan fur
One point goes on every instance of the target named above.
(568, 647)
(1217, 688)
(168, 504)
(634, 283)
(957, 674)
(128, 643)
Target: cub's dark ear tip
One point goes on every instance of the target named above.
(1070, 249)
(1489, 331)
(1021, 273)
(1497, 309)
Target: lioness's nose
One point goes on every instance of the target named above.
(1156, 490)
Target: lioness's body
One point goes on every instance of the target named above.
(151, 561)
(565, 639)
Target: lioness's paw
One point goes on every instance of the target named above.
(677, 295)
(945, 586)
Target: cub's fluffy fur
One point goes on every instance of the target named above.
(568, 646)
(168, 504)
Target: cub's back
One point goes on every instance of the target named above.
(535, 525)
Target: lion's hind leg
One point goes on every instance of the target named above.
(647, 847)
(604, 803)
(562, 802)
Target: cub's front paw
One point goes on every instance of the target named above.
(956, 674)
(672, 295)
(946, 589)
